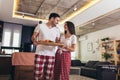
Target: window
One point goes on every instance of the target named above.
(7, 36)
(16, 40)
(11, 35)
(10, 51)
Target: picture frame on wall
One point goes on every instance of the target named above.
(90, 46)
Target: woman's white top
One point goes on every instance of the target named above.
(68, 41)
(46, 33)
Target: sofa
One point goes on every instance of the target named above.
(90, 68)
(107, 72)
(76, 63)
(75, 67)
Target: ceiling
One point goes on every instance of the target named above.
(105, 21)
(86, 22)
(40, 9)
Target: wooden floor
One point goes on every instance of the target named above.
(72, 77)
(4, 77)
(78, 77)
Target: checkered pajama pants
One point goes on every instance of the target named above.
(62, 65)
(44, 65)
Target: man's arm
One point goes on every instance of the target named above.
(34, 38)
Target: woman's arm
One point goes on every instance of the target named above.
(72, 48)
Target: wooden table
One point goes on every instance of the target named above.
(74, 70)
(24, 65)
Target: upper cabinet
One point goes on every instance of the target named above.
(26, 43)
(1, 30)
(27, 34)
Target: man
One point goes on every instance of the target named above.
(45, 54)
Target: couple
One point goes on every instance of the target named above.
(47, 59)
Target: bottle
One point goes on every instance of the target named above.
(3, 52)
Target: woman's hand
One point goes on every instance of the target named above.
(57, 40)
(72, 48)
(64, 46)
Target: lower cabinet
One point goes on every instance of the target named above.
(5, 65)
(24, 73)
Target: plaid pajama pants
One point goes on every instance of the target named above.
(62, 65)
(44, 66)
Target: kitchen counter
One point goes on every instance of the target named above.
(5, 64)
(23, 58)
(24, 64)
(5, 55)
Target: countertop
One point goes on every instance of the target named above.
(5, 55)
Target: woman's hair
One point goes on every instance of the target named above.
(71, 27)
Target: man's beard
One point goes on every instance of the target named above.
(65, 32)
(54, 25)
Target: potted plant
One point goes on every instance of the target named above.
(106, 56)
(105, 39)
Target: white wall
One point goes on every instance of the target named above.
(102, 7)
(94, 38)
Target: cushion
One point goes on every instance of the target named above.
(88, 72)
(101, 63)
(75, 63)
(91, 63)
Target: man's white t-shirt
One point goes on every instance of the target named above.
(46, 33)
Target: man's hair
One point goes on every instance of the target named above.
(71, 27)
(54, 15)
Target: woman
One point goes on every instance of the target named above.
(63, 54)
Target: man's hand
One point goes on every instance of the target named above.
(33, 38)
(35, 43)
